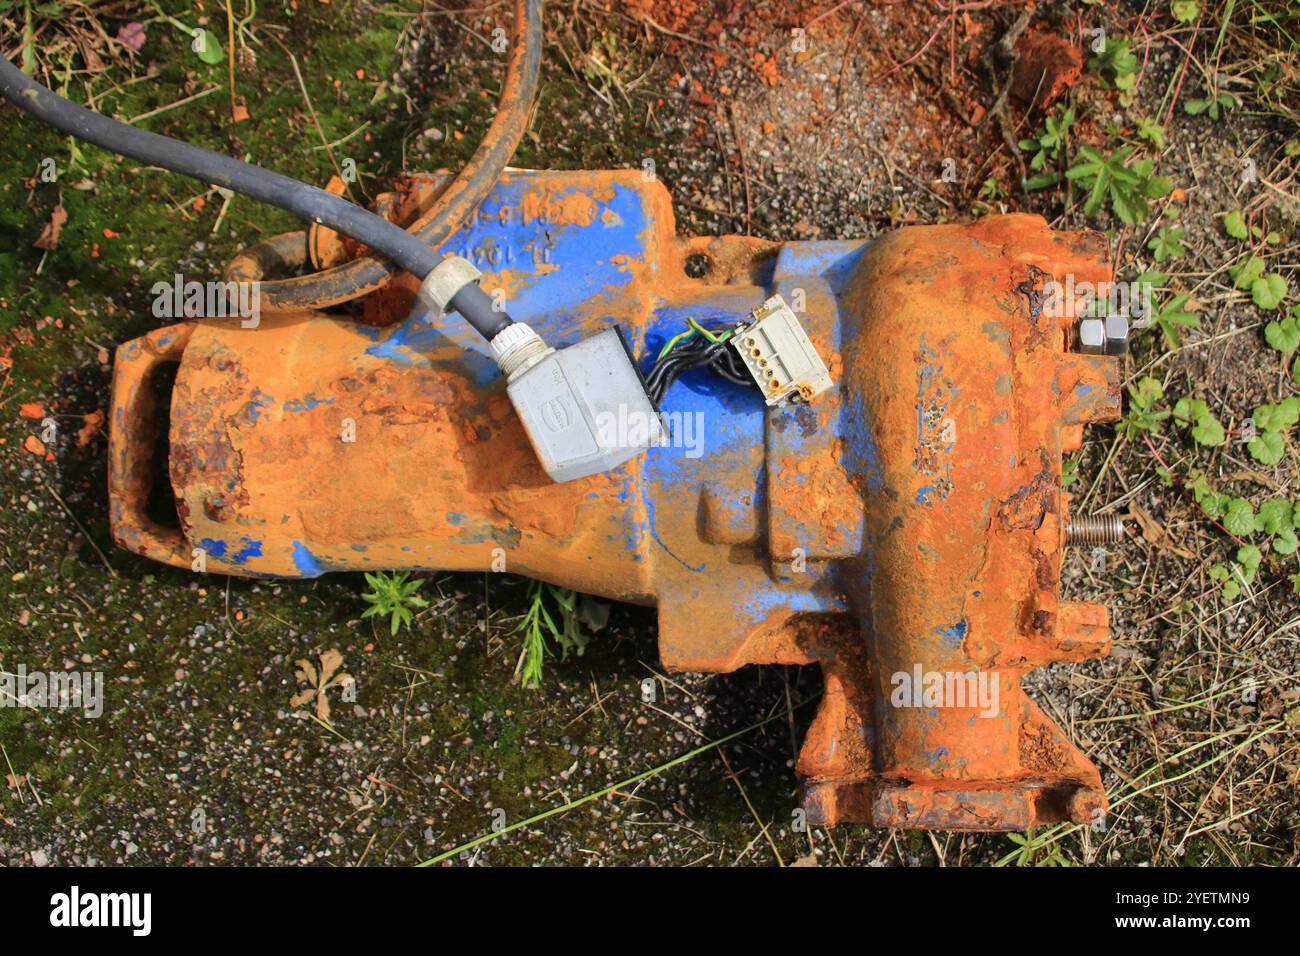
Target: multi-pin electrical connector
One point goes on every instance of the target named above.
(779, 354)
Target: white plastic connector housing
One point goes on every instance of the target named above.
(780, 356)
(447, 278)
(584, 408)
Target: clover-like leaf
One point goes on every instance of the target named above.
(1215, 504)
(1283, 335)
(1239, 519)
(1274, 516)
(1245, 274)
(1206, 428)
(1234, 224)
(1279, 417)
(1146, 392)
(1208, 431)
(1266, 448)
(1267, 292)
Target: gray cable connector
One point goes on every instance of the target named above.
(584, 408)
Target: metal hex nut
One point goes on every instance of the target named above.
(1092, 336)
(1116, 334)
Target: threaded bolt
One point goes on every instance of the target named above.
(1095, 529)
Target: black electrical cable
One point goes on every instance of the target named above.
(479, 311)
(455, 201)
(302, 200)
(307, 202)
(697, 352)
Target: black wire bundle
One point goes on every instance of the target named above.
(697, 352)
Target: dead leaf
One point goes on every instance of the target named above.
(93, 61)
(329, 663)
(1248, 474)
(1155, 534)
(34, 445)
(93, 422)
(302, 698)
(306, 671)
(319, 682)
(49, 237)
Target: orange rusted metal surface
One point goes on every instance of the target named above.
(904, 532)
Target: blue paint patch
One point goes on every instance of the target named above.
(830, 259)
(306, 562)
(214, 548)
(306, 404)
(257, 404)
(934, 442)
(953, 634)
(248, 549)
(860, 455)
(763, 605)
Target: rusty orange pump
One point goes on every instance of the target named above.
(904, 531)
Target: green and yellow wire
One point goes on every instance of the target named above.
(691, 328)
